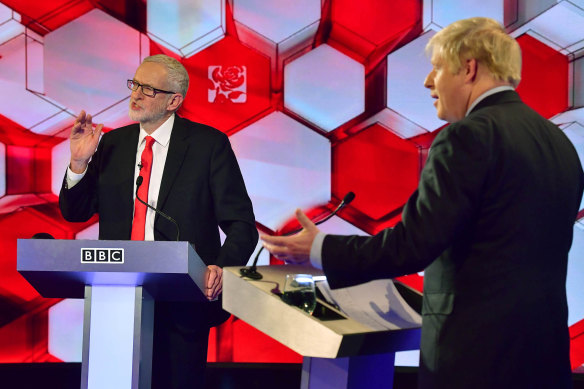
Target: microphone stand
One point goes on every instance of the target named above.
(139, 181)
(251, 272)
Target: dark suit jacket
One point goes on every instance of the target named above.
(201, 188)
(491, 223)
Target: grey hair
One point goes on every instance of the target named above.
(177, 74)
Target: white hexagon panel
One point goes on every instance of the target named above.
(60, 157)
(440, 13)
(185, 26)
(407, 98)
(556, 23)
(277, 28)
(285, 166)
(10, 26)
(578, 82)
(87, 62)
(66, 330)
(325, 87)
(278, 20)
(19, 55)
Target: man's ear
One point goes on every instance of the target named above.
(175, 102)
(471, 69)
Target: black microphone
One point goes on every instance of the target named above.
(251, 272)
(139, 181)
(42, 235)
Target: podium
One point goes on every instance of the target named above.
(338, 352)
(119, 280)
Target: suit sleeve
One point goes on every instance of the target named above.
(233, 207)
(442, 206)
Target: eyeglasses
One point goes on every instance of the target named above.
(146, 89)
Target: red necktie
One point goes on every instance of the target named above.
(139, 223)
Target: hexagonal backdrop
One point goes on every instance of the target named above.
(319, 97)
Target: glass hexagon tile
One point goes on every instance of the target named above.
(278, 28)
(556, 23)
(407, 69)
(88, 60)
(10, 26)
(325, 87)
(16, 103)
(185, 26)
(440, 13)
(577, 90)
(285, 166)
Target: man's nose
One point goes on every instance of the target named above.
(429, 81)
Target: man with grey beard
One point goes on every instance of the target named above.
(191, 174)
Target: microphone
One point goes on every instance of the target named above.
(139, 181)
(42, 235)
(251, 272)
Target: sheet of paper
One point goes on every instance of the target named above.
(376, 304)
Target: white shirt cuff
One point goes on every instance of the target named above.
(74, 178)
(316, 250)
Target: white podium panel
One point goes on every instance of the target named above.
(339, 352)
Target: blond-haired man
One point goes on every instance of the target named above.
(491, 223)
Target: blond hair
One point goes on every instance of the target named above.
(483, 39)
(177, 74)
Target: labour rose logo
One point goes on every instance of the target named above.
(229, 84)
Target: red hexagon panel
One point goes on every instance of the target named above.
(544, 69)
(365, 28)
(229, 85)
(382, 170)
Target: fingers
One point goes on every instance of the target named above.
(304, 221)
(88, 121)
(97, 132)
(213, 282)
(276, 245)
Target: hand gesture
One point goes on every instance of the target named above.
(213, 282)
(84, 139)
(293, 249)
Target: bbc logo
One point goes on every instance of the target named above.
(102, 255)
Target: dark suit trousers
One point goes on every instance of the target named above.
(179, 355)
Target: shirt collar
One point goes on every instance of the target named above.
(161, 135)
(487, 94)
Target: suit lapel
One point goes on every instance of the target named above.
(177, 149)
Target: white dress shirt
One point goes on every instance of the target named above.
(159, 152)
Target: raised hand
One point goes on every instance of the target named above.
(84, 139)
